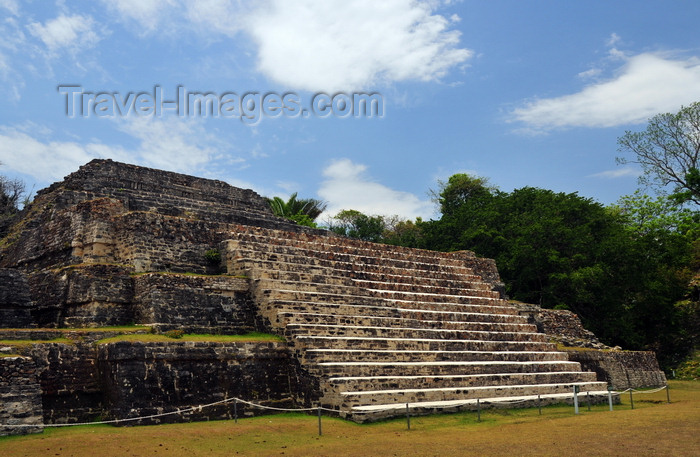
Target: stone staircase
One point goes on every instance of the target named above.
(380, 326)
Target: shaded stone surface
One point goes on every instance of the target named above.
(20, 397)
(153, 378)
(622, 369)
(15, 302)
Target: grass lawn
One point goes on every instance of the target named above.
(653, 428)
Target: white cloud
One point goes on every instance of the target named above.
(623, 172)
(613, 40)
(73, 33)
(646, 85)
(172, 144)
(590, 74)
(223, 16)
(45, 161)
(10, 5)
(346, 45)
(146, 13)
(347, 186)
(316, 45)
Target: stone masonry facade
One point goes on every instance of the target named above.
(368, 327)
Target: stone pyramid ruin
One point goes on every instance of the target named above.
(367, 327)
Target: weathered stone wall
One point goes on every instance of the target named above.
(82, 296)
(195, 304)
(153, 378)
(155, 242)
(69, 382)
(68, 378)
(486, 268)
(563, 326)
(15, 303)
(622, 369)
(20, 396)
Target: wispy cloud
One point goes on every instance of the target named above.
(146, 14)
(73, 33)
(622, 172)
(647, 84)
(169, 144)
(10, 5)
(347, 185)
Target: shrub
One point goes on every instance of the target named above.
(213, 257)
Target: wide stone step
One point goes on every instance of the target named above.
(358, 398)
(382, 308)
(381, 273)
(469, 296)
(379, 321)
(426, 344)
(345, 261)
(440, 368)
(302, 275)
(297, 273)
(489, 306)
(455, 288)
(313, 287)
(297, 330)
(392, 356)
(435, 278)
(284, 242)
(365, 413)
(374, 383)
(342, 286)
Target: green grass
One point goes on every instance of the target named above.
(653, 428)
(155, 338)
(172, 273)
(25, 343)
(115, 328)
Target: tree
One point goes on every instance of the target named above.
(668, 152)
(621, 269)
(303, 211)
(458, 189)
(644, 214)
(12, 192)
(354, 224)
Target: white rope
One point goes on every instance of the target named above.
(273, 408)
(179, 411)
(636, 391)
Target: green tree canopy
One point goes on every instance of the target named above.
(354, 224)
(621, 269)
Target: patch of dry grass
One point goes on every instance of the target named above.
(653, 428)
(151, 338)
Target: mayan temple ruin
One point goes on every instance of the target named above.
(117, 250)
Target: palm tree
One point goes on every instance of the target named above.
(309, 207)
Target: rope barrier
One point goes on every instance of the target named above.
(273, 408)
(178, 411)
(637, 391)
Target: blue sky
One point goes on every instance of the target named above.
(525, 93)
